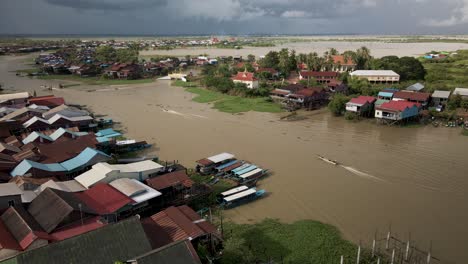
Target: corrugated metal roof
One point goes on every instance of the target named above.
(415, 87)
(12, 96)
(82, 159)
(109, 132)
(221, 157)
(441, 94)
(374, 73)
(235, 190)
(167, 180)
(127, 187)
(461, 91)
(104, 199)
(386, 94)
(240, 195)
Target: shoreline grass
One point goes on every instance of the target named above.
(304, 241)
(93, 80)
(228, 103)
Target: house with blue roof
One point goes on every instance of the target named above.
(62, 170)
(105, 135)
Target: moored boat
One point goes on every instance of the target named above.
(242, 197)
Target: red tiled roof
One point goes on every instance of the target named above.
(244, 76)
(318, 74)
(204, 162)
(176, 224)
(415, 96)
(398, 105)
(340, 59)
(361, 100)
(49, 100)
(104, 199)
(170, 179)
(77, 228)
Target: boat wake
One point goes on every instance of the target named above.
(362, 174)
(199, 116)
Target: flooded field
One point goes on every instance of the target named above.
(412, 179)
(378, 48)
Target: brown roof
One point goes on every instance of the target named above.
(176, 224)
(51, 207)
(414, 96)
(294, 87)
(204, 162)
(65, 148)
(18, 227)
(170, 179)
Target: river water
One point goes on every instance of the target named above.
(412, 179)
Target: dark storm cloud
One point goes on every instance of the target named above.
(234, 16)
(107, 4)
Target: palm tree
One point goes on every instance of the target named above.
(363, 58)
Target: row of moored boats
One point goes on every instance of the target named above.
(244, 173)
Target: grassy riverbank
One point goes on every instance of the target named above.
(447, 74)
(93, 80)
(230, 104)
(300, 242)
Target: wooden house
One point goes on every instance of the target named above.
(362, 105)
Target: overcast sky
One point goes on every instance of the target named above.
(233, 17)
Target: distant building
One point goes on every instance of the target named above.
(246, 78)
(319, 76)
(343, 64)
(377, 76)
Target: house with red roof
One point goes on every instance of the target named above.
(246, 78)
(361, 105)
(178, 224)
(319, 76)
(106, 201)
(343, 63)
(397, 110)
(415, 97)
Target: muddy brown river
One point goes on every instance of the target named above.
(412, 179)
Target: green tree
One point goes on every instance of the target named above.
(455, 102)
(338, 104)
(302, 58)
(292, 62)
(271, 60)
(464, 104)
(283, 57)
(359, 86)
(333, 52)
(127, 55)
(105, 54)
(362, 58)
(251, 58)
(313, 62)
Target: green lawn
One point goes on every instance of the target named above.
(231, 104)
(93, 80)
(447, 74)
(275, 242)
